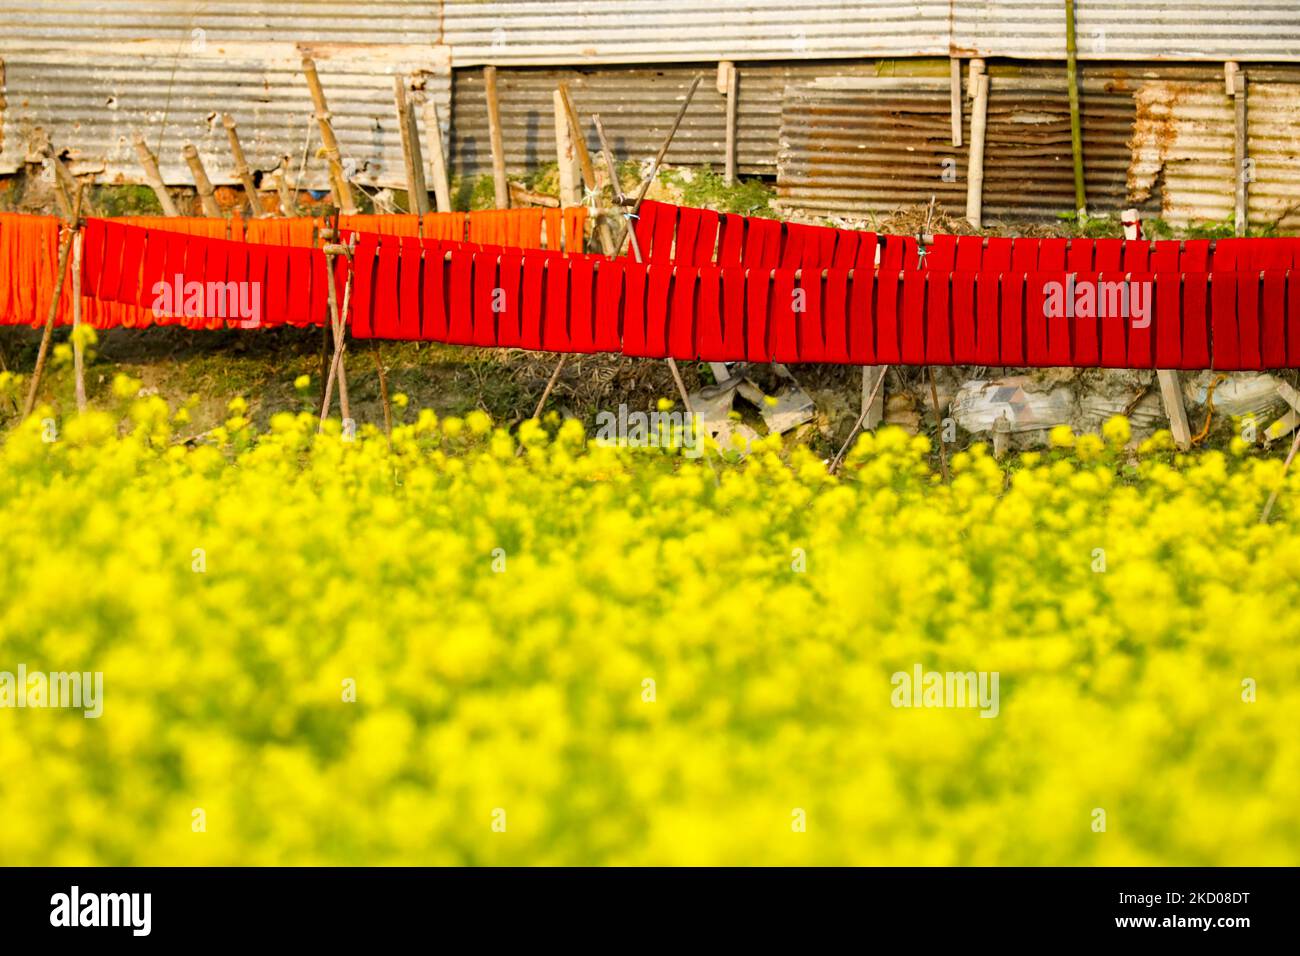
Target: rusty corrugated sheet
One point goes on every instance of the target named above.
(1155, 137)
(637, 106)
(1273, 121)
(582, 32)
(1186, 30)
(91, 106)
(864, 147)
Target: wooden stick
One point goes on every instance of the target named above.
(241, 165)
(975, 165)
(733, 116)
(565, 154)
(1286, 467)
(579, 141)
(873, 398)
(78, 350)
(659, 158)
(954, 68)
(499, 184)
(437, 157)
(65, 247)
(550, 384)
(1076, 129)
(938, 422)
(589, 181)
(288, 207)
(337, 369)
(835, 463)
(383, 392)
(1239, 143)
(339, 180)
(416, 191)
(153, 177)
(201, 182)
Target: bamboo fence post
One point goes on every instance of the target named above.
(1239, 144)
(565, 154)
(954, 69)
(1076, 130)
(601, 225)
(61, 271)
(730, 88)
(975, 166)
(201, 182)
(500, 185)
(78, 350)
(417, 193)
(342, 189)
(437, 157)
(153, 177)
(241, 165)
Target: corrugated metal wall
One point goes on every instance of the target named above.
(92, 107)
(107, 22)
(1215, 30)
(89, 73)
(1158, 139)
(569, 32)
(637, 106)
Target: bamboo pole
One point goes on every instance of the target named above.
(383, 391)
(61, 271)
(975, 165)
(241, 165)
(153, 177)
(589, 181)
(416, 191)
(330, 144)
(1076, 130)
(622, 200)
(78, 350)
(338, 370)
(201, 182)
(731, 88)
(499, 183)
(954, 68)
(437, 157)
(566, 156)
(659, 158)
(839, 458)
(1239, 144)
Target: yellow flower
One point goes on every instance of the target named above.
(302, 382)
(1116, 430)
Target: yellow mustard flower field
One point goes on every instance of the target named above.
(466, 646)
